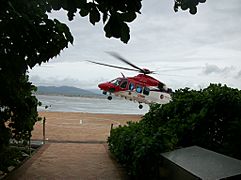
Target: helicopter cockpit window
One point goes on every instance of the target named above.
(138, 89)
(146, 91)
(116, 82)
(123, 84)
(131, 86)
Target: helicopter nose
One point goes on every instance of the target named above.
(102, 86)
(108, 87)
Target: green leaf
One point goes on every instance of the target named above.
(125, 33)
(55, 5)
(105, 16)
(84, 12)
(94, 16)
(113, 27)
(70, 15)
(107, 30)
(128, 16)
(193, 10)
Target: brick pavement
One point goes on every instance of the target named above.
(75, 149)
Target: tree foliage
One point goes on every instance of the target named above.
(187, 4)
(27, 37)
(210, 118)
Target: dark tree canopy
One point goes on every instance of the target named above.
(27, 37)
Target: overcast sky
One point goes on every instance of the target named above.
(186, 50)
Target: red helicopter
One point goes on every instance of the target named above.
(141, 88)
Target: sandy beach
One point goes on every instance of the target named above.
(79, 127)
(75, 148)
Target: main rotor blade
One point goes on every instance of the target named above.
(113, 66)
(180, 69)
(125, 61)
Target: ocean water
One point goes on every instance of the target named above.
(90, 105)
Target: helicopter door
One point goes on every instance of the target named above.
(123, 85)
(146, 91)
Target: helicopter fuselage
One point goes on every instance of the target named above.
(141, 88)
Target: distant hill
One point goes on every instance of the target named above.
(65, 90)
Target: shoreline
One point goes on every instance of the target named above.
(97, 96)
(94, 113)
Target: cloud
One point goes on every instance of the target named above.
(53, 81)
(214, 69)
(238, 75)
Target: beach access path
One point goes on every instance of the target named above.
(75, 147)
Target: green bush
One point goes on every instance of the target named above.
(9, 156)
(137, 150)
(210, 118)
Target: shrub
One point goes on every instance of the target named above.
(9, 156)
(210, 118)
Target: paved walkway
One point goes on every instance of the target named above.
(71, 154)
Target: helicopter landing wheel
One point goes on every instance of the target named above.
(104, 92)
(140, 106)
(109, 97)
